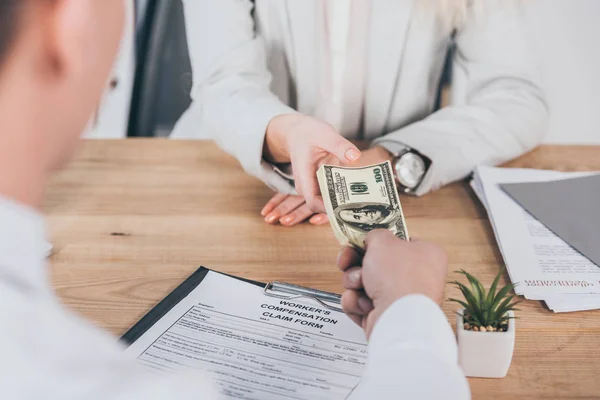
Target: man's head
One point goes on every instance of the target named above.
(55, 57)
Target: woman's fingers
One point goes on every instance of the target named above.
(314, 200)
(310, 143)
(295, 217)
(290, 210)
(339, 146)
(319, 219)
(323, 144)
(274, 202)
(307, 184)
(307, 164)
(284, 208)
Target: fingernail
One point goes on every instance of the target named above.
(317, 219)
(355, 276)
(263, 212)
(365, 304)
(352, 155)
(271, 218)
(287, 220)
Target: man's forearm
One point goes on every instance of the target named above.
(413, 355)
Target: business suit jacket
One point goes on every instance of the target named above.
(248, 70)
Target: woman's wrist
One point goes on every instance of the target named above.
(275, 148)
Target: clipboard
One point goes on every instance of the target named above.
(280, 290)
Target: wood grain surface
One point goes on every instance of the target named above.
(131, 219)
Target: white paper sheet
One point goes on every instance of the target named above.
(573, 302)
(540, 262)
(557, 303)
(256, 346)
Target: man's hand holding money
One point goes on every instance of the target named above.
(389, 270)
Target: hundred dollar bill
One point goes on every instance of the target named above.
(359, 200)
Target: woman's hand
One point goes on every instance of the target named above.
(307, 143)
(290, 210)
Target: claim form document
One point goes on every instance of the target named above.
(252, 345)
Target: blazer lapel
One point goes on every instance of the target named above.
(305, 20)
(389, 26)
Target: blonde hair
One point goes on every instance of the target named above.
(452, 12)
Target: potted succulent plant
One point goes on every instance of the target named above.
(485, 328)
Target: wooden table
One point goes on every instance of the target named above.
(131, 219)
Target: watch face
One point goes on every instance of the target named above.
(410, 169)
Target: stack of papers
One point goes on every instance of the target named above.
(541, 264)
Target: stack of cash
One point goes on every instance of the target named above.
(359, 200)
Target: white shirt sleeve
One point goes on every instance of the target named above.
(413, 355)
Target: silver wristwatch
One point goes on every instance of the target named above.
(410, 167)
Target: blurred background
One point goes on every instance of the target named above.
(151, 82)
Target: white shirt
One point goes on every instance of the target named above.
(344, 60)
(498, 110)
(49, 353)
(342, 82)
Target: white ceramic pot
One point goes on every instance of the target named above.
(485, 354)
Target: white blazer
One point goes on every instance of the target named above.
(245, 73)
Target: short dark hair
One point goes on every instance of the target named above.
(9, 10)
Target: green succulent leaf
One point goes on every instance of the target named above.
(504, 307)
(485, 308)
(471, 300)
(505, 303)
(474, 321)
(502, 293)
(478, 289)
(492, 291)
(462, 303)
